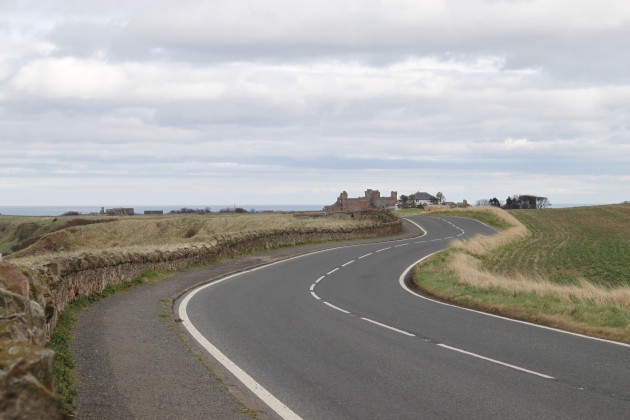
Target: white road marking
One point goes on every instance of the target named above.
(383, 249)
(320, 279)
(398, 246)
(274, 403)
(330, 272)
(542, 375)
(348, 263)
(312, 287)
(388, 327)
(366, 255)
(315, 296)
(336, 307)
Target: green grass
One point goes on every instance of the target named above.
(606, 321)
(565, 247)
(63, 365)
(568, 244)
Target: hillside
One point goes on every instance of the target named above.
(566, 268)
(40, 236)
(569, 245)
(19, 232)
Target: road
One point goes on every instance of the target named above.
(334, 335)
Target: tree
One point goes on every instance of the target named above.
(403, 201)
(484, 202)
(440, 197)
(495, 202)
(542, 203)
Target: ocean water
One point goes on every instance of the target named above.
(59, 210)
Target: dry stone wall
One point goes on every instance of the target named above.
(31, 301)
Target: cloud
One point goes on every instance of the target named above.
(298, 100)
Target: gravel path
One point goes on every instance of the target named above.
(133, 361)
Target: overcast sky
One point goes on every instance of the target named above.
(286, 101)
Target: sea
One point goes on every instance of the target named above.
(60, 210)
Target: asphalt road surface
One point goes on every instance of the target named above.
(334, 334)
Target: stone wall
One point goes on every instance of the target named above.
(31, 300)
(26, 378)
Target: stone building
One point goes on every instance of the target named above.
(372, 200)
(120, 212)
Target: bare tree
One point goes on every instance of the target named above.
(440, 197)
(484, 202)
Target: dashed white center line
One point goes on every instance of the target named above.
(336, 307)
(315, 296)
(312, 287)
(542, 375)
(348, 263)
(319, 279)
(383, 249)
(366, 255)
(389, 327)
(398, 246)
(330, 272)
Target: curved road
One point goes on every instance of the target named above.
(334, 334)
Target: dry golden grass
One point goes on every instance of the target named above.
(467, 264)
(169, 232)
(469, 273)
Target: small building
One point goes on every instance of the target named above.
(423, 199)
(121, 211)
(153, 212)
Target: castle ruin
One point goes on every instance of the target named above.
(372, 200)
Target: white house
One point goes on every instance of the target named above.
(423, 199)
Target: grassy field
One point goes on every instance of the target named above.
(567, 246)
(567, 268)
(42, 236)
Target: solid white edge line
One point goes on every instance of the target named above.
(336, 307)
(389, 327)
(348, 263)
(403, 276)
(330, 272)
(274, 403)
(315, 296)
(542, 375)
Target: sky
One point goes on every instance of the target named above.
(291, 102)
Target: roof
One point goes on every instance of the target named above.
(422, 196)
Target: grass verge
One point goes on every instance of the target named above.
(63, 365)
(516, 274)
